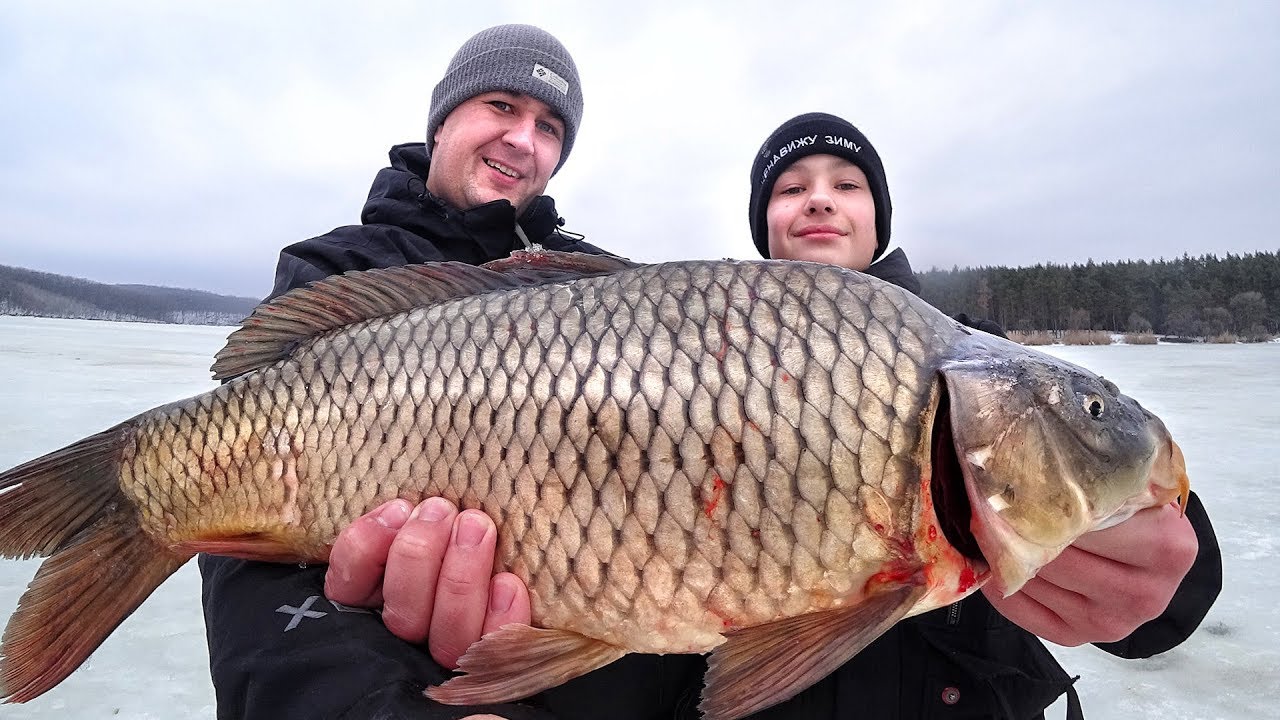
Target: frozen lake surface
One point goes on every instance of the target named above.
(65, 379)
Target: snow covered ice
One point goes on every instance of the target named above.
(65, 379)
(1222, 405)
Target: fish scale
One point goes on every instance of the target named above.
(687, 457)
(680, 540)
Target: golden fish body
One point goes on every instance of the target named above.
(680, 458)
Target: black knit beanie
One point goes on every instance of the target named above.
(816, 134)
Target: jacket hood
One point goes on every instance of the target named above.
(895, 268)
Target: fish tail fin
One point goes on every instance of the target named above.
(68, 506)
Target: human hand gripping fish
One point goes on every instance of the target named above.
(429, 569)
(769, 461)
(1108, 582)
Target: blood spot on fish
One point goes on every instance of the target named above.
(933, 533)
(902, 546)
(725, 622)
(724, 343)
(786, 377)
(207, 463)
(717, 491)
(896, 574)
(284, 470)
(967, 580)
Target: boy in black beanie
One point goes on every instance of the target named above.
(818, 192)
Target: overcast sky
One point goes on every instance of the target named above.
(184, 144)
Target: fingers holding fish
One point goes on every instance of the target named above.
(1128, 572)
(1026, 610)
(1108, 583)
(462, 590)
(413, 563)
(1158, 542)
(359, 556)
(1068, 618)
(508, 602)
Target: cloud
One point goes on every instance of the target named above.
(185, 145)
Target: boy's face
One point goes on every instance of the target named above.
(497, 145)
(821, 210)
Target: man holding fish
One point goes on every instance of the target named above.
(502, 122)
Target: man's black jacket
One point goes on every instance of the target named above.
(279, 650)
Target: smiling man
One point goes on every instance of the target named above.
(502, 122)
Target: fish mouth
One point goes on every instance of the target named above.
(1182, 483)
(947, 484)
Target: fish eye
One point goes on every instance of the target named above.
(1094, 405)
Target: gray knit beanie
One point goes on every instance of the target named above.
(515, 58)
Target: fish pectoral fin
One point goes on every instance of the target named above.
(761, 666)
(516, 661)
(265, 545)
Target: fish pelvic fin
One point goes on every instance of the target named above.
(278, 326)
(516, 661)
(278, 545)
(761, 666)
(68, 506)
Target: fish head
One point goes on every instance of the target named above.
(1049, 451)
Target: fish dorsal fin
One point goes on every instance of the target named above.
(550, 266)
(761, 666)
(277, 326)
(516, 661)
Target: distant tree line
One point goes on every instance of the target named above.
(1202, 296)
(30, 292)
(1190, 296)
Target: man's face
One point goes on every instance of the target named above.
(821, 210)
(498, 145)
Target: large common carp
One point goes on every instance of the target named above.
(769, 461)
